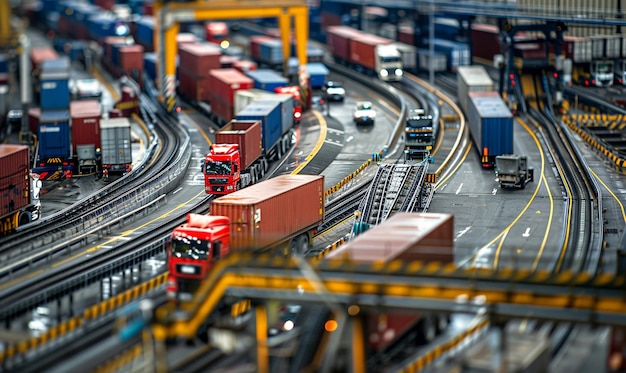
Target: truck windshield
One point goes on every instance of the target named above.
(186, 248)
(218, 168)
(388, 59)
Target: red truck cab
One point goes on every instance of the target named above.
(192, 251)
(216, 32)
(294, 91)
(222, 169)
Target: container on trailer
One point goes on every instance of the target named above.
(491, 123)
(192, 86)
(247, 134)
(318, 74)
(144, 32)
(485, 41)
(363, 49)
(199, 58)
(131, 58)
(578, 49)
(406, 34)
(255, 45)
(597, 46)
(313, 54)
(271, 52)
(270, 115)
(267, 80)
(338, 40)
(437, 60)
(40, 54)
(457, 53)
(111, 47)
(224, 83)
(116, 143)
(405, 237)
(85, 122)
(223, 111)
(14, 178)
(472, 78)
(613, 46)
(286, 108)
(245, 66)
(54, 134)
(262, 215)
(54, 90)
(245, 97)
(33, 119)
(408, 54)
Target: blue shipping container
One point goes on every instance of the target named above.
(4, 64)
(269, 113)
(61, 64)
(149, 64)
(272, 52)
(491, 123)
(54, 134)
(267, 80)
(457, 54)
(145, 32)
(54, 91)
(48, 6)
(286, 103)
(318, 73)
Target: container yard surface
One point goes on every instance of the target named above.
(264, 214)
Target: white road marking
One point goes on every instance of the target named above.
(463, 231)
(459, 188)
(527, 233)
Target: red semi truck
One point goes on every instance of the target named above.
(428, 237)
(280, 214)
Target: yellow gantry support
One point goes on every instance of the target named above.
(168, 17)
(262, 354)
(5, 22)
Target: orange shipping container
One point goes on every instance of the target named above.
(33, 119)
(85, 123)
(14, 178)
(247, 134)
(271, 212)
(199, 59)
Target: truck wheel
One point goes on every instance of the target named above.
(299, 245)
(443, 321)
(523, 184)
(23, 219)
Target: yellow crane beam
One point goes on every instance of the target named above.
(5, 22)
(170, 15)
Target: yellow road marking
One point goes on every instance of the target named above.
(318, 145)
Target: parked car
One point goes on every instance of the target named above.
(333, 91)
(364, 113)
(85, 88)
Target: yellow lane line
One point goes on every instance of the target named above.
(612, 194)
(318, 144)
(442, 182)
(198, 127)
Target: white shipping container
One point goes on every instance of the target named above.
(473, 78)
(613, 46)
(116, 143)
(409, 55)
(623, 43)
(597, 46)
(436, 60)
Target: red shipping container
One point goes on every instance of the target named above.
(485, 41)
(106, 4)
(109, 42)
(247, 134)
(85, 123)
(265, 214)
(244, 66)
(199, 58)
(222, 110)
(148, 9)
(4, 79)
(338, 40)
(329, 19)
(185, 38)
(192, 86)
(33, 119)
(116, 113)
(255, 45)
(363, 49)
(41, 54)
(224, 83)
(14, 178)
(406, 34)
(227, 62)
(131, 58)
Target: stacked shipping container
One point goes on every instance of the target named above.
(195, 63)
(224, 83)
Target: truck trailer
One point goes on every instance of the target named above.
(404, 237)
(19, 190)
(116, 145)
(280, 215)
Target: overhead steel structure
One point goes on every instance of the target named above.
(169, 15)
(503, 294)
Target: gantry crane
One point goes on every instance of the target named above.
(169, 14)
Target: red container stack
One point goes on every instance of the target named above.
(185, 38)
(192, 86)
(224, 83)
(199, 59)
(14, 178)
(227, 62)
(131, 58)
(255, 45)
(85, 123)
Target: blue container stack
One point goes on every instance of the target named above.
(272, 52)
(4, 64)
(267, 80)
(144, 32)
(318, 73)
(54, 122)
